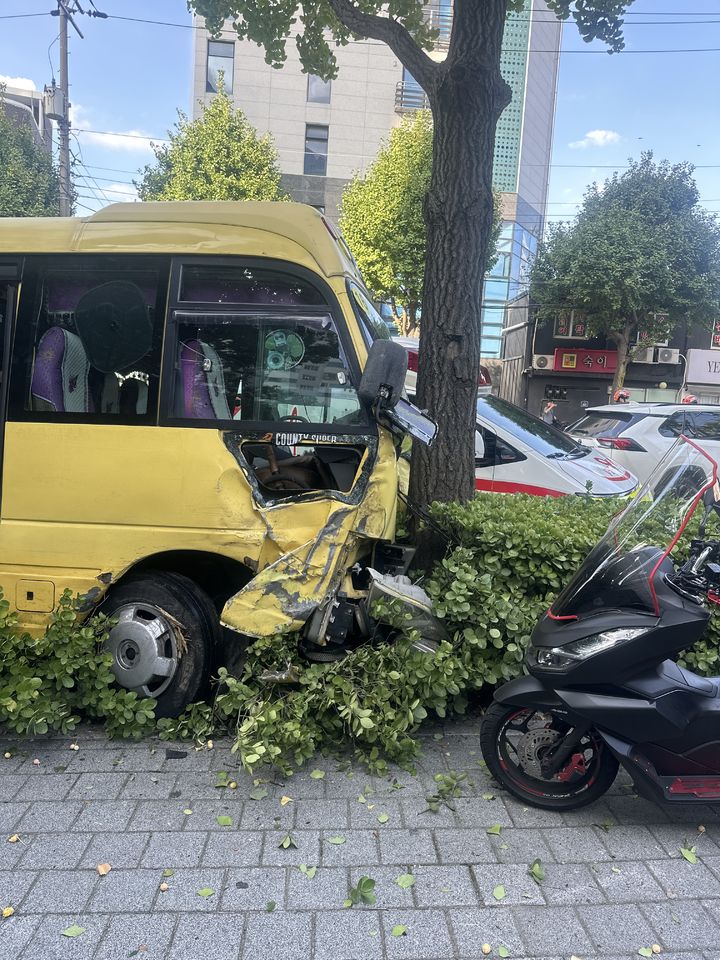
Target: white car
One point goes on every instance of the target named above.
(412, 345)
(516, 452)
(638, 435)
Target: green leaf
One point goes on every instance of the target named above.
(689, 854)
(224, 821)
(270, 906)
(258, 793)
(73, 931)
(168, 873)
(336, 840)
(187, 811)
(645, 952)
(499, 892)
(537, 871)
(503, 952)
(317, 775)
(494, 830)
(287, 843)
(405, 880)
(399, 930)
(206, 892)
(488, 796)
(383, 818)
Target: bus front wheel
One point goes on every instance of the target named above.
(164, 639)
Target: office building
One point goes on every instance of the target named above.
(326, 132)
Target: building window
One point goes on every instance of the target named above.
(221, 56)
(572, 326)
(316, 149)
(318, 91)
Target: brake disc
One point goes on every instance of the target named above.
(531, 747)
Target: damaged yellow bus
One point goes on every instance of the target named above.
(199, 403)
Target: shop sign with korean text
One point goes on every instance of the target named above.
(574, 360)
(703, 367)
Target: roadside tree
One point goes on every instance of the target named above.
(467, 94)
(29, 183)
(219, 156)
(382, 219)
(641, 258)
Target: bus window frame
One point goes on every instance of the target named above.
(331, 307)
(19, 383)
(12, 286)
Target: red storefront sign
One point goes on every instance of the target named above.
(574, 360)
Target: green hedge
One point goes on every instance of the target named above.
(510, 557)
(52, 682)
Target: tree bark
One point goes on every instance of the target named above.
(466, 103)
(622, 342)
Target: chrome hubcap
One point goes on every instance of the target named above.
(144, 649)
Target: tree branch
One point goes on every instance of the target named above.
(394, 34)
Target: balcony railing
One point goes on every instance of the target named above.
(440, 19)
(409, 96)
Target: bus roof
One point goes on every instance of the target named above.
(217, 227)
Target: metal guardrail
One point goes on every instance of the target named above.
(409, 96)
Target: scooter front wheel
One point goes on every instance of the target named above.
(514, 740)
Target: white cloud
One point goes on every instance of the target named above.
(20, 83)
(596, 138)
(120, 192)
(131, 141)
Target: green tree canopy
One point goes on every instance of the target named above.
(219, 156)
(641, 257)
(29, 184)
(382, 217)
(467, 94)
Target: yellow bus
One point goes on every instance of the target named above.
(189, 441)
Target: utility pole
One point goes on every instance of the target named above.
(64, 15)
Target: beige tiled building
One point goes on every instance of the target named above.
(324, 133)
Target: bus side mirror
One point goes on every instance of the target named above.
(383, 378)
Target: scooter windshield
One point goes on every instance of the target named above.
(620, 571)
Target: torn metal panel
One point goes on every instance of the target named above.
(284, 594)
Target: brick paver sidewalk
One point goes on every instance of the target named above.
(615, 880)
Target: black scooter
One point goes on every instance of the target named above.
(602, 689)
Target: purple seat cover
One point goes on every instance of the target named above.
(195, 391)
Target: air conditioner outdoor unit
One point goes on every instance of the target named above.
(646, 355)
(543, 361)
(667, 355)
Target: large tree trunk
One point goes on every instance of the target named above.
(466, 103)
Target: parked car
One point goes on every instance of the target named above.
(637, 435)
(412, 345)
(516, 452)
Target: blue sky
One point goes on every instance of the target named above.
(130, 77)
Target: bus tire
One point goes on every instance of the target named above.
(164, 641)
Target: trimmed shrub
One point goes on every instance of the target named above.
(51, 683)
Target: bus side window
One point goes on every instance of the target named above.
(92, 337)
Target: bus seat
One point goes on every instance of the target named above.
(60, 374)
(133, 397)
(201, 385)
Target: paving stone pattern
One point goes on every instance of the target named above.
(615, 880)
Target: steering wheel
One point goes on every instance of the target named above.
(294, 418)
